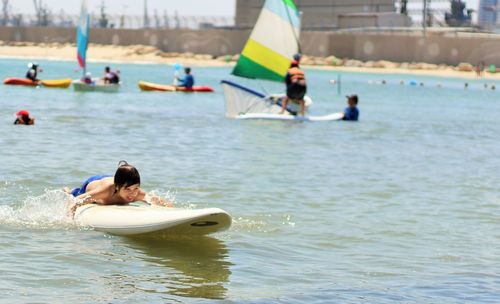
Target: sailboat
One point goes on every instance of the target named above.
(267, 55)
(82, 41)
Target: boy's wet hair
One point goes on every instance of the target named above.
(126, 175)
(354, 98)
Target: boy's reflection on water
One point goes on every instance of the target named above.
(195, 267)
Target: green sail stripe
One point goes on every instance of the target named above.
(290, 4)
(245, 67)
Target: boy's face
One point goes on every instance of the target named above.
(351, 103)
(129, 193)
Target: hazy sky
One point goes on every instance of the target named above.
(135, 7)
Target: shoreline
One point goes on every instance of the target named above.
(141, 54)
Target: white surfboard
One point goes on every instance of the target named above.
(267, 116)
(139, 218)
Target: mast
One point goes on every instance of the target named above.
(146, 15)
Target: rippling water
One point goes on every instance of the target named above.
(402, 206)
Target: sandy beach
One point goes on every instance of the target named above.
(150, 55)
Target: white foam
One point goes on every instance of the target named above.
(49, 210)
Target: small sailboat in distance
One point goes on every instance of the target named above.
(87, 84)
(267, 55)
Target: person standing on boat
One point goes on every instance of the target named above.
(351, 112)
(23, 118)
(187, 81)
(111, 77)
(296, 87)
(32, 73)
(297, 57)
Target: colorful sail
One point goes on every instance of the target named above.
(272, 43)
(82, 35)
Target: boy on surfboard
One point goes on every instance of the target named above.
(121, 189)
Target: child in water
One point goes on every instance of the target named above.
(121, 189)
(351, 112)
(23, 118)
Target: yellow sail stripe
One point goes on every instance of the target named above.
(266, 57)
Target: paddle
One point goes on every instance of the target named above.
(177, 69)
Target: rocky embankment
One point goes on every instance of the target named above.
(146, 53)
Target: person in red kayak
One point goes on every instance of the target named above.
(23, 118)
(33, 69)
(187, 81)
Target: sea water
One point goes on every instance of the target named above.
(402, 206)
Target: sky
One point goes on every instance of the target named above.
(134, 7)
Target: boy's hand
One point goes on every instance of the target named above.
(156, 200)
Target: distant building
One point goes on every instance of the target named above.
(459, 14)
(330, 14)
(488, 12)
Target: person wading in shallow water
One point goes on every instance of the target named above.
(351, 112)
(23, 118)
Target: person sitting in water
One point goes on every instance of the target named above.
(121, 189)
(88, 78)
(23, 118)
(32, 73)
(111, 77)
(187, 81)
(295, 87)
(351, 112)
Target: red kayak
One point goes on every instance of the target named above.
(149, 86)
(19, 81)
(55, 83)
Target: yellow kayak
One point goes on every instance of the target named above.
(57, 83)
(150, 86)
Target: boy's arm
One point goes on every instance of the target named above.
(154, 199)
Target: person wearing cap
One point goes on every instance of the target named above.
(33, 70)
(88, 78)
(295, 87)
(23, 118)
(187, 81)
(351, 112)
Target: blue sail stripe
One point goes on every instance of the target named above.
(279, 7)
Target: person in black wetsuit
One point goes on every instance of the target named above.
(32, 73)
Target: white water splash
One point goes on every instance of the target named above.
(49, 210)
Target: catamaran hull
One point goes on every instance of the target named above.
(106, 88)
(287, 117)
